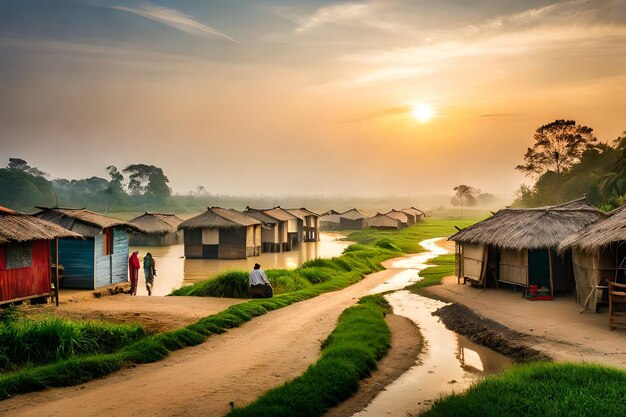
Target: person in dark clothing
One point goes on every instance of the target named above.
(149, 271)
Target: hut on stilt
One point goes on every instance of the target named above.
(519, 246)
(25, 268)
(308, 224)
(220, 233)
(160, 229)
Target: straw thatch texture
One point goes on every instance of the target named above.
(593, 238)
(302, 212)
(68, 216)
(217, 217)
(415, 211)
(534, 228)
(262, 217)
(157, 223)
(398, 215)
(353, 214)
(19, 227)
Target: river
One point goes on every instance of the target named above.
(174, 270)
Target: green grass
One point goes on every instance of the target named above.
(542, 389)
(312, 278)
(43, 340)
(349, 354)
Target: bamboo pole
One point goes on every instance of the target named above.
(550, 265)
(57, 271)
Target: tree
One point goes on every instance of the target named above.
(613, 183)
(465, 195)
(21, 165)
(147, 179)
(558, 146)
(115, 185)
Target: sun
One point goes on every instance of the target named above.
(422, 112)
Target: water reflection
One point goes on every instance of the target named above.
(174, 271)
(449, 362)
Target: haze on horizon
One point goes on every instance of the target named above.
(305, 97)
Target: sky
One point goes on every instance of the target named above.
(305, 97)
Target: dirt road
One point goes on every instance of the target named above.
(237, 367)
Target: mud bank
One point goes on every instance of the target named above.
(489, 333)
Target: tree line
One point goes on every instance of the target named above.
(23, 187)
(567, 161)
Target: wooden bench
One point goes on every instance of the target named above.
(617, 305)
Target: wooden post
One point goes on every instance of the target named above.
(56, 284)
(550, 267)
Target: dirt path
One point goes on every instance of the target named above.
(237, 366)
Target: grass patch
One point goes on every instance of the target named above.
(312, 278)
(541, 389)
(349, 354)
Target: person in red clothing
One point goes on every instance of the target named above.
(133, 269)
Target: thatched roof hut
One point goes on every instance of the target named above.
(25, 270)
(20, 227)
(284, 234)
(383, 221)
(217, 217)
(518, 246)
(160, 229)
(330, 220)
(102, 257)
(598, 255)
(352, 219)
(405, 219)
(157, 223)
(220, 233)
(530, 228)
(308, 224)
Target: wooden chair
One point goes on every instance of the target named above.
(617, 299)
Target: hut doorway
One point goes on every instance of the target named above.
(539, 268)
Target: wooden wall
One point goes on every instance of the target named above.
(77, 257)
(27, 282)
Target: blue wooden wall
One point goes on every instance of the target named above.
(112, 269)
(77, 257)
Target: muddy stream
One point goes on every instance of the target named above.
(448, 363)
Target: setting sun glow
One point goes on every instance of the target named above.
(422, 112)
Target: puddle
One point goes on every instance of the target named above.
(448, 363)
(174, 271)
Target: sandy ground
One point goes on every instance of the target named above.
(237, 366)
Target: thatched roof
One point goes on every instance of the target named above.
(260, 216)
(398, 215)
(66, 217)
(157, 223)
(533, 228)
(600, 234)
(217, 217)
(414, 211)
(330, 212)
(277, 213)
(19, 227)
(353, 214)
(301, 213)
(383, 220)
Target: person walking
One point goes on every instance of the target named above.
(149, 271)
(259, 285)
(133, 270)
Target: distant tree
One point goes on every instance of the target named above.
(465, 196)
(22, 191)
(147, 179)
(19, 164)
(115, 185)
(558, 146)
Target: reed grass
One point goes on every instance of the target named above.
(541, 389)
(50, 339)
(349, 354)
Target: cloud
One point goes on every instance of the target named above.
(175, 19)
(339, 13)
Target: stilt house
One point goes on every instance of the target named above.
(160, 229)
(25, 270)
(220, 233)
(599, 256)
(519, 246)
(101, 258)
(308, 223)
(286, 232)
